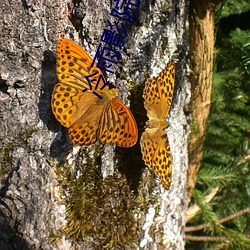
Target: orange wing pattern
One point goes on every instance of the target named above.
(158, 93)
(74, 64)
(88, 117)
(118, 125)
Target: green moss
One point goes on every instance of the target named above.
(129, 83)
(123, 76)
(105, 212)
(28, 133)
(5, 160)
(164, 45)
(164, 10)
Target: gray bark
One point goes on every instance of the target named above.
(32, 142)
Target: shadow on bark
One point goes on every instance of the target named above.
(130, 159)
(61, 145)
(9, 239)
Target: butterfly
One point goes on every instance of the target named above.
(88, 118)
(157, 95)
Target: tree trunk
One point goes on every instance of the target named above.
(54, 195)
(201, 40)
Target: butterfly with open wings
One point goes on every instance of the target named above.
(88, 118)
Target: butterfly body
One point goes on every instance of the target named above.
(157, 123)
(109, 94)
(91, 113)
(158, 93)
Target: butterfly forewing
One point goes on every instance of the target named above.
(158, 92)
(70, 104)
(63, 105)
(74, 64)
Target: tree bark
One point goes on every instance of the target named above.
(201, 40)
(41, 170)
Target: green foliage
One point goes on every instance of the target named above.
(207, 211)
(226, 153)
(230, 7)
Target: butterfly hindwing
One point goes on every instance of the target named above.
(118, 125)
(156, 154)
(84, 132)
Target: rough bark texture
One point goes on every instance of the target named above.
(32, 142)
(201, 40)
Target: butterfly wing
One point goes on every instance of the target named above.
(78, 111)
(117, 125)
(70, 104)
(74, 64)
(156, 154)
(88, 118)
(85, 130)
(158, 93)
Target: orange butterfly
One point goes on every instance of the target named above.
(158, 93)
(88, 117)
